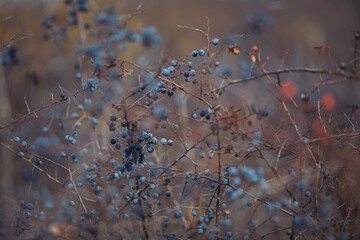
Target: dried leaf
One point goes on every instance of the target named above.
(61, 229)
(124, 72)
(253, 58)
(320, 49)
(233, 50)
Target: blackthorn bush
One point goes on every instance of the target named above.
(118, 138)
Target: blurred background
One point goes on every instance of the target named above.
(274, 26)
(47, 64)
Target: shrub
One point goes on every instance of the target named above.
(174, 148)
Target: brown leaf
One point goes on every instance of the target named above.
(124, 72)
(320, 49)
(233, 50)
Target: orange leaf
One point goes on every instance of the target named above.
(328, 101)
(288, 90)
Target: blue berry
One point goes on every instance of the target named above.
(168, 194)
(95, 121)
(133, 37)
(150, 148)
(21, 154)
(194, 53)
(255, 143)
(202, 113)
(74, 115)
(38, 161)
(166, 72)
(174, 63)
(215, 41)
(41, 215)
(161, 84)
(201, 52)
(179, 214)
(142, 179)
(29, 206)
(72, 140)
(253, 223)
(171, 69)
(27, 214)
(88, 102)
(292, 172)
